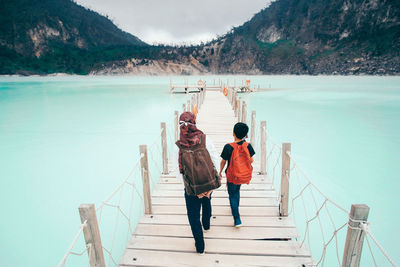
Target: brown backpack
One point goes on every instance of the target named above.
(199, 173)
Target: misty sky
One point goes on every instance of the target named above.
(176, 21)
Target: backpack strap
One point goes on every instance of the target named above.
(203, 140)
(234, 145)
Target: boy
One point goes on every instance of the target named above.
(239, 156)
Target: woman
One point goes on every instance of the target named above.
(197, 160)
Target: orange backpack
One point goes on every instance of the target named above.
(240, 169)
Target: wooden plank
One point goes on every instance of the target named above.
(133, 257)
(219, 210)
(164, 238)
(248, 221)
(225, 232)
(244, 202)
(256, 179)
(222, 188)
(215, 194)
(221, 246)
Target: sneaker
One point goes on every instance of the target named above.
(201, 253)
(238, 222)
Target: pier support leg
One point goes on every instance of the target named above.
(355, 235)
(91, 232)
(164, 147)
(176, 125)
(263, 147)
(244, 112)
(144, 165)
(239, 113)
(284, 205)
(253, 127)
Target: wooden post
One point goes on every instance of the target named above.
(284, 205)
(183, 108)
(176, 125)
(263, 147)
(164, 147)
(239, 113)
(253, 127)
(188, 106)
(244, 112)
(91, 232)
(355, 236)
(144, 165)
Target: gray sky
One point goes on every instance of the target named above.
(176, 21)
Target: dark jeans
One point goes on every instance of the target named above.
(193, 205)
(234, 198)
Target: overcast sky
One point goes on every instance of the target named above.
(176, 21)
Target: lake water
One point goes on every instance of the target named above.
(65, 141)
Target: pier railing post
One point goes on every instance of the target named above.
(239, 113)
(284, 205)
(164, 147)
(144, 165)
(176, 125)
(244, 112)
(263, 147)
(188, 105)
(355, 235)
(234, 102)
(253, 127)
(91, 232)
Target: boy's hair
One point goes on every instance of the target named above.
(240, 130)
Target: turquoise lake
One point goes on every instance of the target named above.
(70, 140)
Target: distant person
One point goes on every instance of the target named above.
(239, 170)
(197, 163)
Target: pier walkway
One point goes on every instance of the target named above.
(164, 238)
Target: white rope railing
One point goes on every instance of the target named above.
(305, 185)
(120, 212)
(78, 234)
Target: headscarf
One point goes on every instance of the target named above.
(189, 134)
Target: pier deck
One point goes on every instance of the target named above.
(164, 238)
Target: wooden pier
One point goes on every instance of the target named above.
(243, 87)
(267, 237)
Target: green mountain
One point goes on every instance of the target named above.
(313, 37)
(287, 37)
(42, 36)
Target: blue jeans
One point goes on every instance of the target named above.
(234, 198)
(193, 206)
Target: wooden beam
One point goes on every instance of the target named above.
(284, 205)
(91, 232)
(164, 147)
(263, 147)
(355, 235)
(253, 127)
(244, 112)
(176, 125)
(144, 164)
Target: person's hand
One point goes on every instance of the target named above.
(208, 194)
(220, 174)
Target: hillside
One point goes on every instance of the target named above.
(58, 36)
(313, 37)
(288, 37)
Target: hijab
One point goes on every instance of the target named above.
(189, 134)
